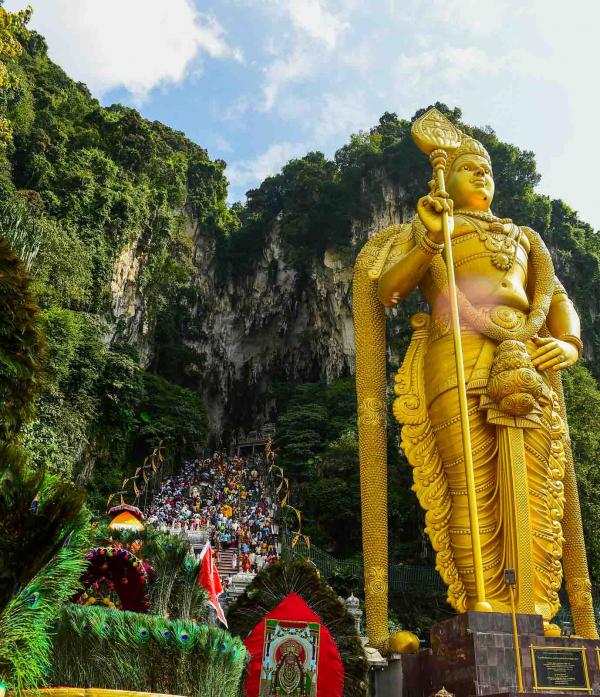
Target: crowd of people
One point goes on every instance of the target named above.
(227, 496)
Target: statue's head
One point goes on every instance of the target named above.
(290, 647)
(469, 177)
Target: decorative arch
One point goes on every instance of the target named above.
(115, 573)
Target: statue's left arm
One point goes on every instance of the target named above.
(563, 347)
(563, 320)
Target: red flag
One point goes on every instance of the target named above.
(210, 580)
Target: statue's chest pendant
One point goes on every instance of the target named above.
(501, 244)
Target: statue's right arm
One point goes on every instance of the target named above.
(400, 279)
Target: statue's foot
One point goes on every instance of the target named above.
(551, 629)
(403, 642)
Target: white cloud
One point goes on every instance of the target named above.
(236, 109)
(312, 17)
(292, 67)
(446, 67)
(342, 114)
(294, 108)
(311, 32)
(134, 44)
(251, 172)
(469, 16)
(221, 144)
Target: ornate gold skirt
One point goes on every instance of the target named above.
(518, 465)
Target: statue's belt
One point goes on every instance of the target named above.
(479, 354)
(505, 317)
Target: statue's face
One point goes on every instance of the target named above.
(470, 183)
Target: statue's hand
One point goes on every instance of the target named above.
(553, 354)
(430, 210)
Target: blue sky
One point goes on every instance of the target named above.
(257, 82)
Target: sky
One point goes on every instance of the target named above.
(257, 82)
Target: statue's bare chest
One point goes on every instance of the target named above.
(490, 262)
(489, 249)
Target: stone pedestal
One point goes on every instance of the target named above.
(473, 655)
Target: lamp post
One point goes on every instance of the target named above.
(510, 580)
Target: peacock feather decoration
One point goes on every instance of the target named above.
(108, 648)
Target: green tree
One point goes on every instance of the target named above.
(84, 189)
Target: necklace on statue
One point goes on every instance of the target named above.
(488, 216)
(502, 244)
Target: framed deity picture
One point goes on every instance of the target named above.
(290, 659)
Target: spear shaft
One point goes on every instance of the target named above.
(438, 161)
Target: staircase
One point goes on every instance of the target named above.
(225, 563)
(239, 583)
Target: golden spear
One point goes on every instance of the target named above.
(435, 135)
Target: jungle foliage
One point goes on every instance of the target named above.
(318, 446)
(43, 525)
(81, 186)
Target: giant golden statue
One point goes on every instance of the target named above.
(478, 395)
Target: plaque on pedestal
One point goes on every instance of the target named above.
(559, 668)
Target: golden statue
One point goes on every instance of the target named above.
(478, 395)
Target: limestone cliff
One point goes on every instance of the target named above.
(272, 324)
(275, 323)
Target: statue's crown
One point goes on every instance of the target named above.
(468, 146)
(433, 131)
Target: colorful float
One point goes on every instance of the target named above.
(115, 576)
(300, 637)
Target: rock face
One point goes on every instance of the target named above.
(128, 304)
(272, 324)
(267, 326)
(249, 331)
(276, 325)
